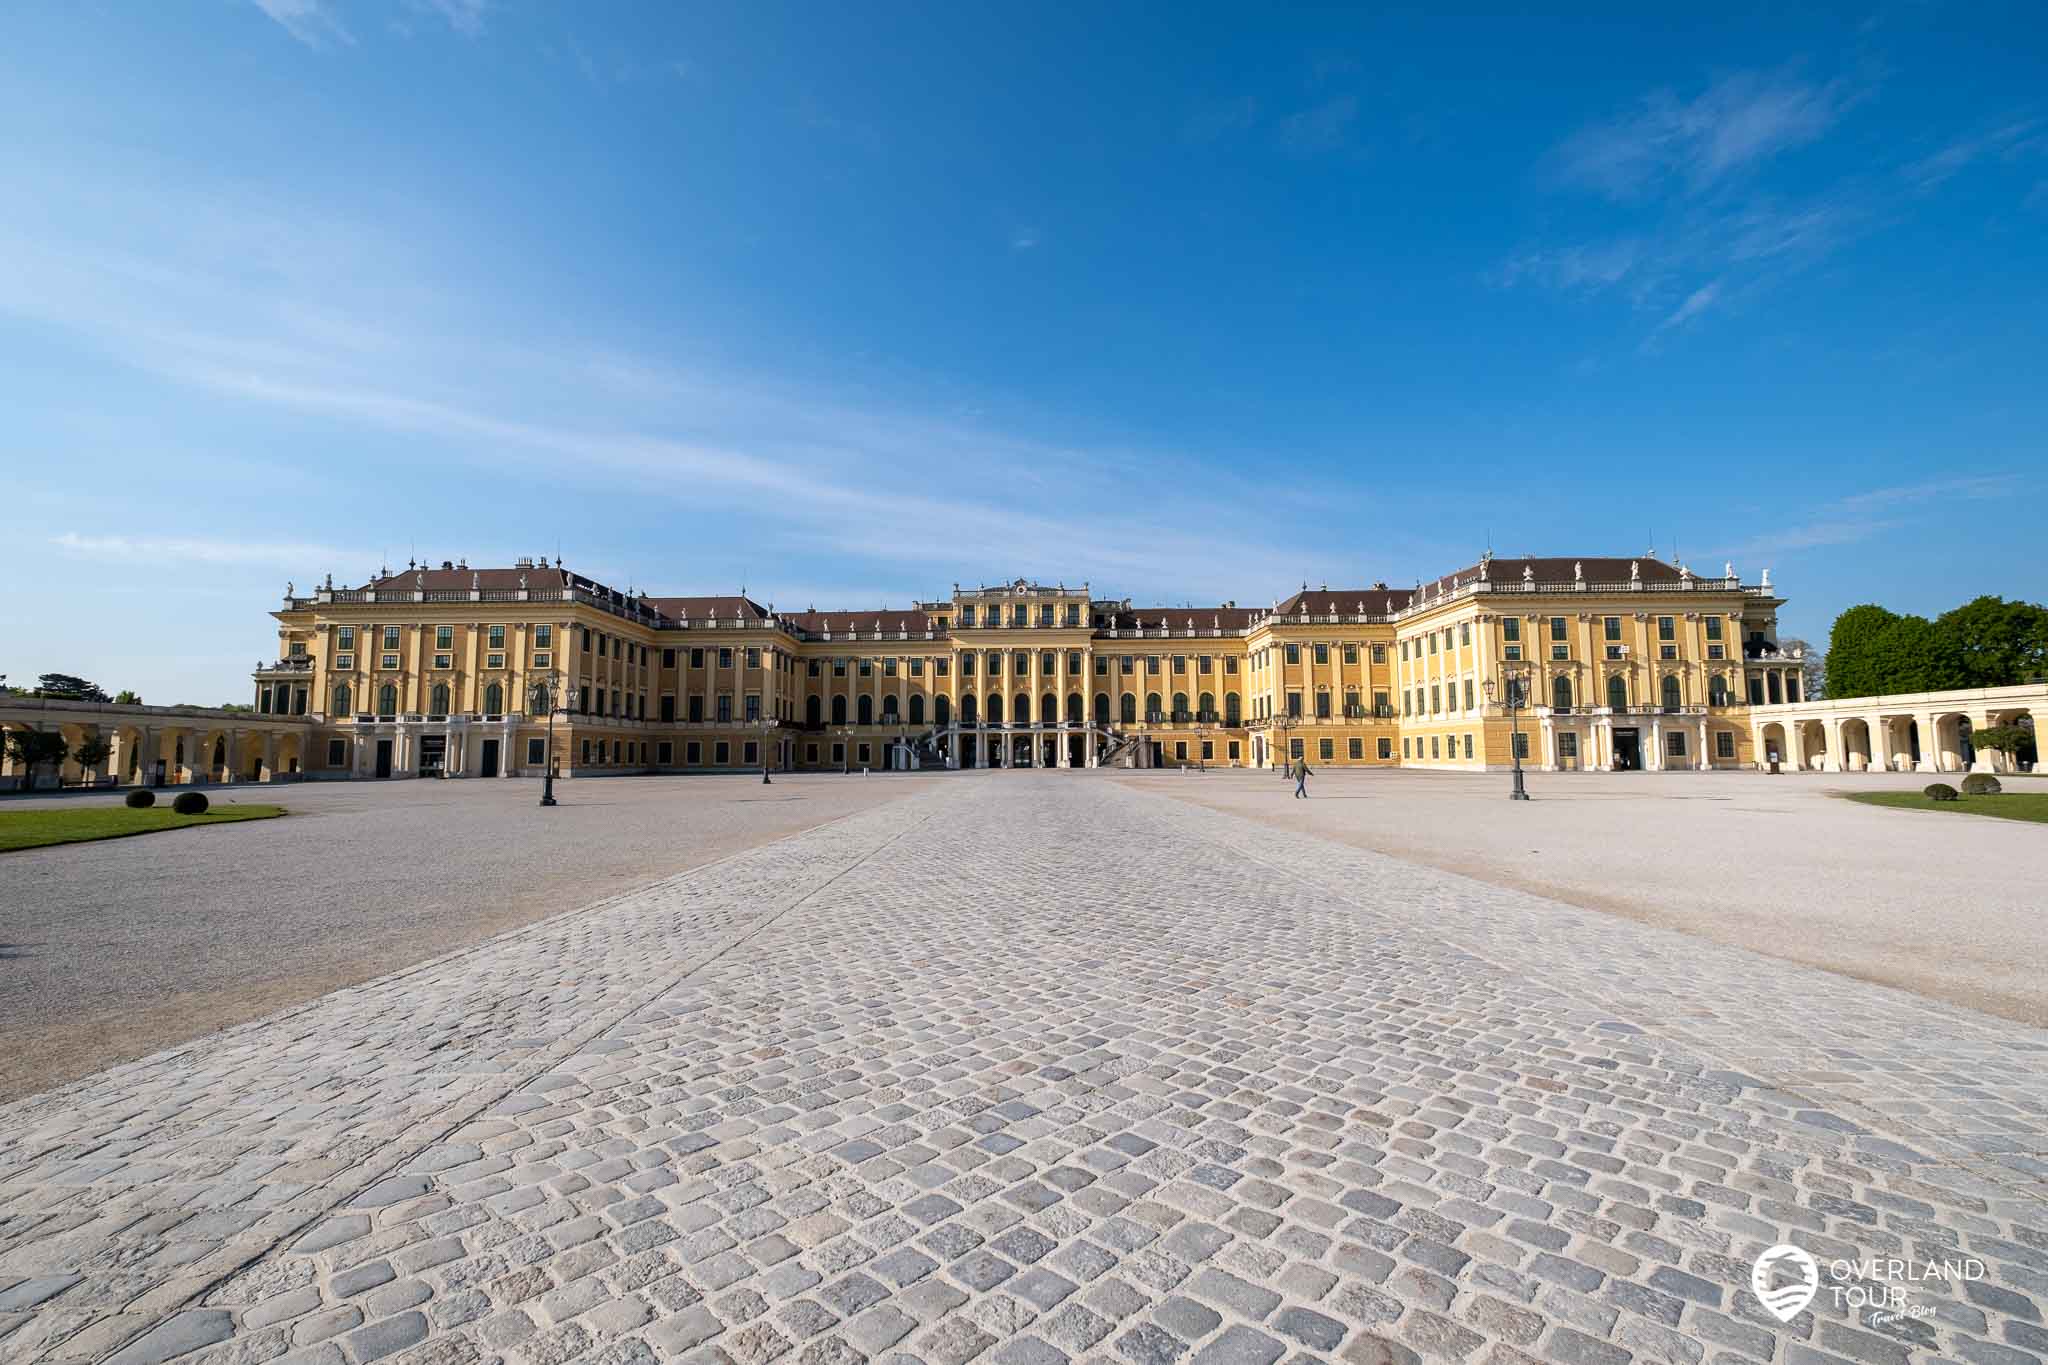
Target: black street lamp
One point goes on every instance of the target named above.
(542, 698)
(766, 729)
(1516, 683)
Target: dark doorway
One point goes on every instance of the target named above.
(967, 751)
(383, 758)
(490, 759)
(433, 755)
(1628, 751)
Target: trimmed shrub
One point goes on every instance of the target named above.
(194, 803)
(1933, 791)
(1981, 784)
(140, 798)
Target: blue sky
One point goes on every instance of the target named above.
(846, 303)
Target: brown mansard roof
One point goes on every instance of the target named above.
(1559, 569)
(462, 579)
(702, 608)
(1378, 600)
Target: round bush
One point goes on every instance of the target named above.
(1981, 784)
(140, 798)
(1935, 791)
(194, 803)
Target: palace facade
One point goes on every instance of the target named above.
(1614, 663)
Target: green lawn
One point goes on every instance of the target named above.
(2009, 806)
(36, 828)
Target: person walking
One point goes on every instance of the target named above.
(1301, 779)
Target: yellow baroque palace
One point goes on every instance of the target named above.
(449, 671)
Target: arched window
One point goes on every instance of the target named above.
(1671, 698)
(1152, 706)
(864, 708)
(494, 700)
(440, 700)
(1049, 709)
(839, 710)
(993, 708)
(1561, 693)
(1102, 708)
(341, 700)
(1020, 709)
(966, 709)
(1075, 712)
(1232, 711)
(1180, 705)
(1717, 691)
(942, 709)
(387, 701)
(1617, 692)
(1205, 705)
(814, 711)
(1129, 709)
(888, 710)
(1777, 691)
(917, 708)
(1791, 687)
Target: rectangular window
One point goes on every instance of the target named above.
(1510, 627)
(1152, 665)
(889, 667)
(665, 753)
(917, 666)
(586, 751)
(1208, 750)
(1567, 744)
(1322, 653)
(1404, 748)
(345, 638)
(1180, 751)
(391, 637)
(1294, 748)
(750, 754)
(543, 637)
(967, 616)
(1468, 694)
(1230, 666)
(940, 666)
(542, 660)
(725, 658)
(1125, 664)
(1560, 651)
(810, 753)
(1045, 614)
(1464, 632)
(604, 643)
(1511, 653)
(1674, 743)
(1468, 746)
(721, 754)
(1351, 654)
(1357, 748)
(1326, 749)
(1436, 699)
(753, 707)
(1724, 744)
(668, 658)
(536, 751)
(753, 656)
(1294, 654)
(861, 754)
(1294, 704)
(1667, 651)
(1435, 749)
(444, 661)
(344, 662)
(966, 665)
(1557, 628)
(1667, 628)
(1379, 654)
(1102, 665)
(494, 661)
(697, 658)
(1522, 746)
(668, 708)
(1180, 665)
(337, 753)
(1713, 627)
(1386, 748)
(1610, 628)
(496, 639)
(1614, 651)
(693, 754)
(1432, 642)
(1715, 652)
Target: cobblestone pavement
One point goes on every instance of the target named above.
(1031, 1068)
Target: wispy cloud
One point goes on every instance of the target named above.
(464, 16)
(2013, 138)
(1862, 516)
(1321, 128)
(1696, 303)
(309, 21)
(164, 551)
(1023, 237)
(1736, 122)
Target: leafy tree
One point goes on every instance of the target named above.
(68, 687)
(126, 698)
(90, 753)
(2016, 742)
(236, 706)
(1990, 642)
(33, 748)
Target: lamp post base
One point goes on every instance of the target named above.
(1520, 792)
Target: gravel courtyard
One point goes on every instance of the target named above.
(1935, 904)
(113, 950)
(1031, 1068)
